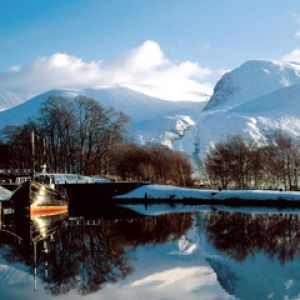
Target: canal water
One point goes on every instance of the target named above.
(149, 252)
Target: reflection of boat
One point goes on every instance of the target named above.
(45, 225)
(39, 198)
(31, 237)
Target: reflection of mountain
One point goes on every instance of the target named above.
(208, 255)
(259, 278)
(255, 256)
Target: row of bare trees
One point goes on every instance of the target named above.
(237, 163)
(81, 136)
(71, 136)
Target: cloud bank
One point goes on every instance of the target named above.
(145, 69)
(293, 56)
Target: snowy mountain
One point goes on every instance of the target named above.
(251, 80)
(254, 100)
(155, 120)
(256, 119)
(136, 105)
(165, 129)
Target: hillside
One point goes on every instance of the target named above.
(255, 119)
(254, 100)
(136, 105)
(153, 119)
(251, 80)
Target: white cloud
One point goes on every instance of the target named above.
(144, 68)
(292, 56)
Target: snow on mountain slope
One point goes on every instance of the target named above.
(154, 120)
(279, 110)
(278, 103)
(255, 100)
(138, 106)
(251, 80)
(19, 114)
(166, 129)
(9, 99)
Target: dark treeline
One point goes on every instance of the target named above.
(237, 163)
(154, 163)
(81, 136)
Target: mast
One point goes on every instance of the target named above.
(33, 153)
(34, 267)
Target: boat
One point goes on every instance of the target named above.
(39, 195)
(38, 198)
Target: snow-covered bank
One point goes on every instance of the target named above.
(167, 192)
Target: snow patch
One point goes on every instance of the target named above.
(179, 193)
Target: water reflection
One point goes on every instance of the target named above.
(207, 255)
(26, 240)
(80, 254)
(240, 235)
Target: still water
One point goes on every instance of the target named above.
(152, 253)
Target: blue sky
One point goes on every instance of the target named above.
(217, 34)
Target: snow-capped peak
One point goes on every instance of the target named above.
(253, 79)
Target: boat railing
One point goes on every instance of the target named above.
(49, 190)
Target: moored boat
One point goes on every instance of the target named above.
(38, 198)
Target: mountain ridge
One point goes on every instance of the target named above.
(136, 105)
(252, 79)
(257, 99)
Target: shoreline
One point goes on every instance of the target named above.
(163, 194)
(276, 203)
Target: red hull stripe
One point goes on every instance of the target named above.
(48, 210)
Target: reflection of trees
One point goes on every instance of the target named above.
(239, 235)
(97, 254)
(158, 229)
(85, 257)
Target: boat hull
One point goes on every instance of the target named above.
(36, 198)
